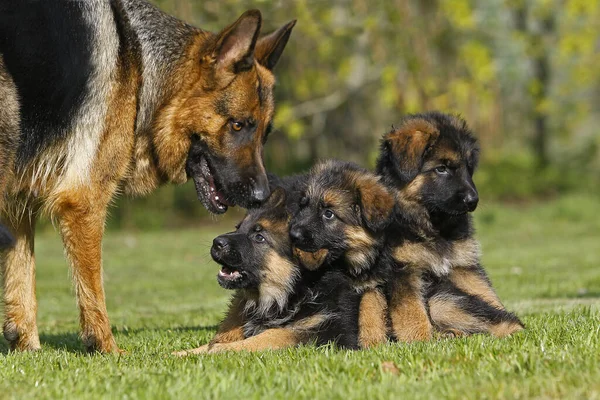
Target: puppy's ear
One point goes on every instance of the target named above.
(277, 198)
(234, 49)
(404, 148)
(270, 47)
(376, 203)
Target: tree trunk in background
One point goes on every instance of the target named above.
(540, 138)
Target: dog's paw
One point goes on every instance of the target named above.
(200, 350)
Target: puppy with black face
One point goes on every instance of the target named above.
(277, 303)
(429, 160)
(340, 225)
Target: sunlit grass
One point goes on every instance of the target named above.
(163, 296)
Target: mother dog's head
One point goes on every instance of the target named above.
(214, 128)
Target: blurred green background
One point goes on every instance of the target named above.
(525, 75)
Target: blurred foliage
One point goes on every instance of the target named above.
(524, 73)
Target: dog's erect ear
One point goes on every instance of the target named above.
(277, 198)
(270, 47)
(376, 203)
(405, 147)
(234, 50)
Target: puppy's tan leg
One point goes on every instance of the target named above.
(372, 321)
(408, 311)
(462, 315)
(18, 271)
(82, 227)
(231, 329)
(505, 328)
(451, 319)
(473, 280)
(271, 339)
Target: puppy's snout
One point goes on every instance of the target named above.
(296, 234)
(220, 243)
(471, 199)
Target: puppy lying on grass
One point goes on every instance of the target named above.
(277, 303)
(429, 161)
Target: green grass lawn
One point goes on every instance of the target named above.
(544, 260)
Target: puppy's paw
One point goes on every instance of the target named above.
(200, 350)
(452, 334)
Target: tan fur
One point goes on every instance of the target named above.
(377, 201)
(20, 304)
(470, 281)
(75, 180)
(505, 328)
(421, 256)
(311, 261)
(408, 313)
(231, 329)
(449, 317)
(309, 324)
(271, 339)
(278, 277)
(372, 322)
(360, 253)
(411, 140)
(335, 198)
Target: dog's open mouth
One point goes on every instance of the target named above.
(230, 277)
(208, 190)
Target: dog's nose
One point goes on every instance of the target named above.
(296, 234)
(219, 243)
(471, 199)
(260, 190)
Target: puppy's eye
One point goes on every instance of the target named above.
(259, 238)
(328, 214)
(304, 201)
(442, 170)
(237, 125)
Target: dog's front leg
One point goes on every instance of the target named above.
(372, 324)
(271, 339)
(232, 327)
(408, 312)
(18, 271)
(82, 226)
(230, 330)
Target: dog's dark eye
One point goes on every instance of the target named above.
(259, 238)
(442, 169)
(328, 214)
(303, 201)
(237, 125)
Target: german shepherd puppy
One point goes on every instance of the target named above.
(103, 96)
(277, 303)
(340, 225)
(430, 160)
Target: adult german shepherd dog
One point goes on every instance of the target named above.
(430, 160)
(103, 96)
(278, 303)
